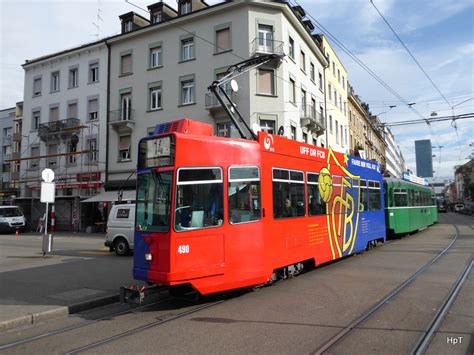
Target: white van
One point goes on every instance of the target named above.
(11, 219)
(120, 229)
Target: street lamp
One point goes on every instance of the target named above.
(389, 108)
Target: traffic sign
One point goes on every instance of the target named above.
(48, 192)
(47, 175)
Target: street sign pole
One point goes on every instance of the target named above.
(47, 196)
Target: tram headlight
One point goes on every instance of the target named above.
(148, 257)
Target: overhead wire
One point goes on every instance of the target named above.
(410, 53)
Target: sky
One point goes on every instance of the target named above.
(438, 33)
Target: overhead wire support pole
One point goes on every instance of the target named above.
(233, 72)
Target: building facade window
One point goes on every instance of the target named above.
(312, 72)
(72, 110)
(330, 124)
(303, 61)
(292, 91)
(291, 48)
(187, 49)
(187, 92)
(266, 82)
(92, 147)
(52, 159)
(155, 98)
(223, 129)
(337, 131)
(94, 72)
(73, 78)
(329, 92)
(93, 109)
(124, 147)
(185, 7)
(265, 38)
(34, 152)
(267, 126)
(320, 81)
(126, 107)
(126, 64)
(156, 57)
(54, 113)
(157, 18)
(36, 120)
(223, 40)
(293, 132)
(37, 82)
(72, 149)
(305, 137)
(55, 81)
(127, 26)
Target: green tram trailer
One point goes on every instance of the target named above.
(409, 207)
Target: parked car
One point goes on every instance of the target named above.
(120, 229)
(11, 219)
(458, 207)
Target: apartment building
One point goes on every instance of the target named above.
(335, 75)
(365, 135)
(162, 66)
(17, 147)
(6, 132)
(395, 162)
(64, 129)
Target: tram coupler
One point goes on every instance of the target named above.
(138, 295)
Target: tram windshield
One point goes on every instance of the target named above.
(154, 201)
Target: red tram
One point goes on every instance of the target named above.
(218, 213)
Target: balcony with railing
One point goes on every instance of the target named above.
(261, 46)
(122, 119)
(312, 119)
(60, 129)
(213, 105)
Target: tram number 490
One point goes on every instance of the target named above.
(183, 249)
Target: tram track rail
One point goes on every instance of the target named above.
(140, 328)
(117, 336)
(442, 310)
(81, 325)
(425, 340)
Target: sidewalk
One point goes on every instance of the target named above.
(80, 274)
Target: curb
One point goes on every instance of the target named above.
(34, 318)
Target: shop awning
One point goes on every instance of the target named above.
(112, 196)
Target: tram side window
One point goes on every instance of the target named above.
(412, 198)
(401, 197)
(316, 205)
(374, 196)
(244, 194)
(199, 198)
(288, 193)
(364, 201)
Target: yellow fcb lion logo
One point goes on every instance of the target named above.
(325, 184)
(342, 206)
